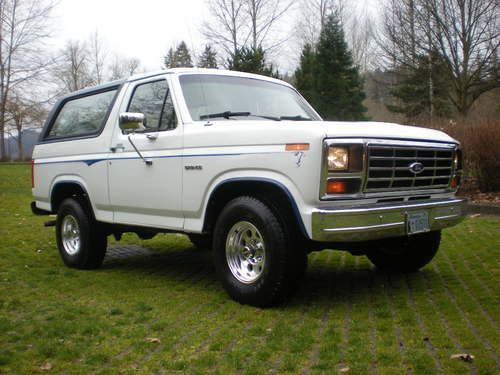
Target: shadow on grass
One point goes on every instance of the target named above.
(323, 283)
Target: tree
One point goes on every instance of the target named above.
(73, 68)
(263, 15)
(464, 33)
(251, 61)
(225, 27)
(208, 58)
(123, 67)
(180, 57)
(23, 113)
(412, 92)
(252, 24)
(24, 29)
(97, 58)
(305, 79)
(329, 78)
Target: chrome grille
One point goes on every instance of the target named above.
(389, 168)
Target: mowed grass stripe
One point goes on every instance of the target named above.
(466, 331)
(441, 333)
(462, 273)
(334, 262)
(419, 355)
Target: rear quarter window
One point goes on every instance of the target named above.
(82, 116)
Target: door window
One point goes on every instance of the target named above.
(153, 99)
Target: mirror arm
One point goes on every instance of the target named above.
(146, 161)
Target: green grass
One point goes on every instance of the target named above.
(346, 313)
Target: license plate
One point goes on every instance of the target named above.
(417, 222)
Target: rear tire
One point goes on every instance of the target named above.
(81, 243)
(253, 255)
(405, 254)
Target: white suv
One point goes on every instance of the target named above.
(244, 165)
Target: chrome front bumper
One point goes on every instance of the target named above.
(371, 222)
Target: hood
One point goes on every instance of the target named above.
(364, 129)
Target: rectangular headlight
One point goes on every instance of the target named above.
(338, 158)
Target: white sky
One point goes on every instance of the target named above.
(141, 28)
(145, 29)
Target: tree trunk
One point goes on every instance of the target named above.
(20, 152)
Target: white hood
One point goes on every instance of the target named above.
(383, 130)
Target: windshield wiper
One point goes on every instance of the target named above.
(226, 115)
(295, 118)
(229, 114)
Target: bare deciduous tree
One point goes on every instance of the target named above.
(24, 27)
(464, 33)
(73, 67)
(123, 67)
(245, 23)
(263, 15)
(225, 28)
(22, 113)
(97, 57)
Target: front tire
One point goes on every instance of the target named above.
(252, 253)
(81, 243)
(405, 254)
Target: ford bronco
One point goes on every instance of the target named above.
(243, 165)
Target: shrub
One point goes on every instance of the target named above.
(480, 142)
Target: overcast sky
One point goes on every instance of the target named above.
(145, 29)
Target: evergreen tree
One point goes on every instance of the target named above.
(178, 58)
(423, 90)
(339, 87)
(251, 60)
(208, 58)
(328, 77)
(305, 74)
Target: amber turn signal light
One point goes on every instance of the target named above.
(336, 187)
(297, 147)
(343, 186)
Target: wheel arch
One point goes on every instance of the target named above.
(65, 188)
(272, 192)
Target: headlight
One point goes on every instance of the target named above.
(338, 158)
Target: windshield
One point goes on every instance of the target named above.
(238, 98)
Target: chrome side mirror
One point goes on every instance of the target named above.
(131, 122)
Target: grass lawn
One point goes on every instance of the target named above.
(155, 307)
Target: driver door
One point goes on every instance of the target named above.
(141, 193)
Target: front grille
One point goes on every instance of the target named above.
(389, 168)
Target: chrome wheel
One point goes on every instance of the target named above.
(245, 252)
(70, 235)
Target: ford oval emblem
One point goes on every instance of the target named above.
(416, 167)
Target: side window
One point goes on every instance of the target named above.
(82, 116)
(154, 101)
(168, 117)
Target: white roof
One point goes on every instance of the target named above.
(221, 72)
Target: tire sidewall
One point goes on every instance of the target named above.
(73, 208)
(261, 291)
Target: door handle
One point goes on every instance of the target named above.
(152, 136)
(117, 147)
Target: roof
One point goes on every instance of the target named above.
(136, 77)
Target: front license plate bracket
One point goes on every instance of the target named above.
(417, 222)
